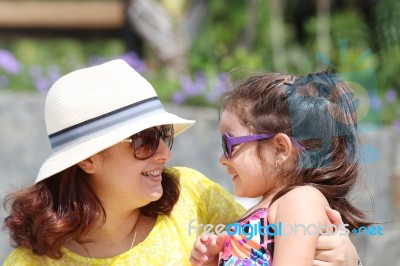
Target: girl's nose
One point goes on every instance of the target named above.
(223, 160)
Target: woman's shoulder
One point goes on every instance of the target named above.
(208, 195)
(191, 177)
(194, 181)
(185, 171)
(22, 256)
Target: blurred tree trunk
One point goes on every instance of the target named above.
(278, 35)
(323, 27)
(170, 39)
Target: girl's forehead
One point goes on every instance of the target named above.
(229, 123)
(228, 117)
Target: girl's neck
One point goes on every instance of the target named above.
(267, 198)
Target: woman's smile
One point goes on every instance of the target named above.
(153, 175)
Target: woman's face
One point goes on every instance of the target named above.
(250, 176)
(120, 178)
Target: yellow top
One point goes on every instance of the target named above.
(201, 201)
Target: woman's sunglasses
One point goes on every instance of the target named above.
(228, 142)
(145, 143)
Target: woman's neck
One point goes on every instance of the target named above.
(117, 235)
(118, 226)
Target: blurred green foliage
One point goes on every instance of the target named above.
(41, 58)
(238, 34)
(220, 46)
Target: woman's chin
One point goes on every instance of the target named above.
(156, 195)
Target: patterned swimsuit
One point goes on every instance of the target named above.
(250, 241)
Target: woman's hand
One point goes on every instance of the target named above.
(206, 249)
(337, 249)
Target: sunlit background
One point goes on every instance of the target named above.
(188, 50)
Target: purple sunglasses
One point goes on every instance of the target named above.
(228, 142)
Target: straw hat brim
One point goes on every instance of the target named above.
(71, 155)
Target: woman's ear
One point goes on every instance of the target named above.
(87, 165)
(283, 146)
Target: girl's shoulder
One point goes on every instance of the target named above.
(304, 193)
(299, 199)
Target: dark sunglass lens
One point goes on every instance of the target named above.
(224, 146)
(145, 143)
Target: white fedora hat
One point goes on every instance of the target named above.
(91, 109)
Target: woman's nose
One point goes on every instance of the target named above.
(163, 152)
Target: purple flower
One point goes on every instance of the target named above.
(187, 86)
(134, 61)
(396, 125)
(9, 63)
(43, 80)
(391, 95)
(220, 86)
(178, 98)
(194, 87)
(53, 73)
(42, 84)
(375, 102)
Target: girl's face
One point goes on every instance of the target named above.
(124, 181)
(251, 177)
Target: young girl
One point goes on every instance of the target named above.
(291, 140)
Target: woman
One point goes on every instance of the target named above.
(104, 196)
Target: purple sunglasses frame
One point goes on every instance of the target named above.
(228, 142)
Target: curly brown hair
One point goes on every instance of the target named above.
(318, 110)
(45, 215)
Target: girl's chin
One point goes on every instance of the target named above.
(240, 193)
(243, 193)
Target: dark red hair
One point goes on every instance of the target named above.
(42, 217)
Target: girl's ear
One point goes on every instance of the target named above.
(283, 146)
(88, 165)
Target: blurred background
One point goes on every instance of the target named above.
(187, 50)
